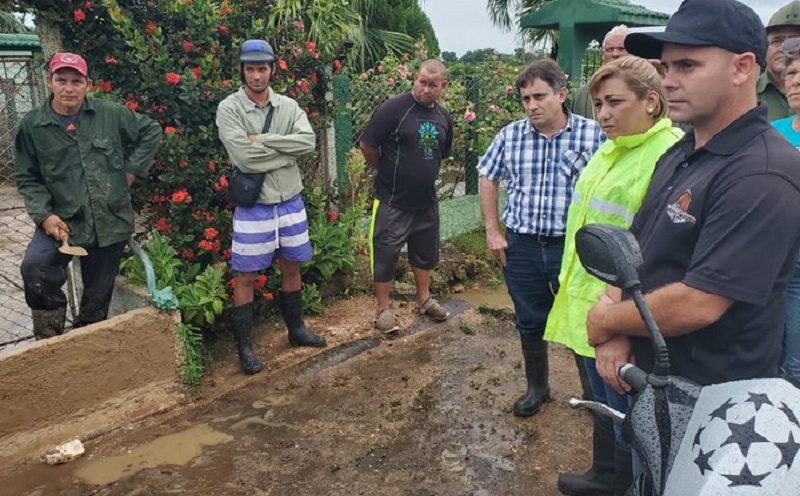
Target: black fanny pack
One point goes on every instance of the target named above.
(245, 187)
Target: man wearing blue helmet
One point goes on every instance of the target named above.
(265, 133)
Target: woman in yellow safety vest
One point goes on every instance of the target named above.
(630, 105)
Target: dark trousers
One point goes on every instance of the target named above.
(531, 274)
(44, 274)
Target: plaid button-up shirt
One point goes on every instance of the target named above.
(540, 171)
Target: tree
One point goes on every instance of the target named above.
(449, 57)
(9, 23)
(506, 14)
(478, 56)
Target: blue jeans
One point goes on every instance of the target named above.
(531, 275)
(605, 394)
(791, 363)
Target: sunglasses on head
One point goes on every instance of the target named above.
(791, 45)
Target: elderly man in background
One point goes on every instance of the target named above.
(784, 24)
(613, 48)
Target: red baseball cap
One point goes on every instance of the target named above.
(63, 60)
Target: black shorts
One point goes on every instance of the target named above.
(391, 228)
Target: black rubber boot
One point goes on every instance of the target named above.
(242, 325)
(48, 323)
(600, 479)
(586, 389)
(534, 354)
(623, 470)
(291, 304)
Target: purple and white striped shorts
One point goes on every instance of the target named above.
(260, 231)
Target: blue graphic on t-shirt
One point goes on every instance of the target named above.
(428, 139)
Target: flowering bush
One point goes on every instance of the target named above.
(175, 60)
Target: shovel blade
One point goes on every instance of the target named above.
(75, 251)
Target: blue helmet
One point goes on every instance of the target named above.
(256, 51)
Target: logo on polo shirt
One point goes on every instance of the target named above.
(679, 211)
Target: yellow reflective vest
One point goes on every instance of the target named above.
(610, 190)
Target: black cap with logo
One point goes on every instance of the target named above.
(726, 24)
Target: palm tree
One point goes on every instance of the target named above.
(329, 22)
(505, 14)
(9, 23)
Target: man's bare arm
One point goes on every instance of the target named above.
(371, 154)
(677, 308)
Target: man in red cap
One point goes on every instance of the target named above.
(75, 160)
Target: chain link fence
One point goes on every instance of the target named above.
(20, 91)
(458, 176)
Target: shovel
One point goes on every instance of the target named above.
(66, 249)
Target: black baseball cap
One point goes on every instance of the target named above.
(726, 24)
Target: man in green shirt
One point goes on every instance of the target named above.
(784, 24)
(75, 160)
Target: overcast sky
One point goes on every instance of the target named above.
(463, 25)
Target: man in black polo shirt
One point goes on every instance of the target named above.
(718, 228)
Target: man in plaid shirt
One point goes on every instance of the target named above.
(540, 159)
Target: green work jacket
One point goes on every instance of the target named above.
(610, 190)
(82, 179)
(777, 106)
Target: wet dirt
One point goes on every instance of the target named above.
(427, 413)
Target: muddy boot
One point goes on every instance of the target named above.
(291, 304)
(242, 325)
(600, 479)
(48, 323)
(535, 355)
(623, 470)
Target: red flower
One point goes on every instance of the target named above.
(283, 66)
(151, 27)
(260, 282)
(313, 78)
(173, 78)
(224, 10)
(226, 255)
(112, 61)
(212, 166)
(104, 85)
(188, 254)
(132, 105)
(205, 245)
(183, 164)
(88, 5)
(232, 284)
(159, 199)
(161, 224)
(310, 46)
(337, 65)
(188, 46)
(299, 26)
(332, 216)
(223, 181)
(210, 233)
(181, 196)
(169, 130)
(196, 71)
(303, 86)
(216, 247)
(267, 295)
(78, 16)
(292, 93)
(226, 83)
(223, 29)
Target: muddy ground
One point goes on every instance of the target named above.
(425, 413)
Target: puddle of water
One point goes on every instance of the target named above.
(174, 449)
(492, 297)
